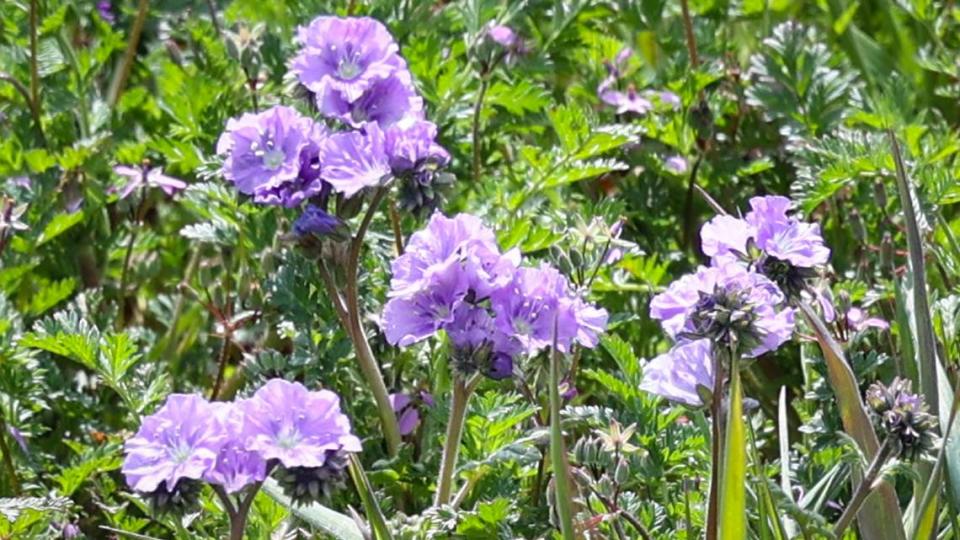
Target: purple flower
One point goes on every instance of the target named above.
(386, 102)
(104, 8)
(858, 320)
(538, 303)
(411, 145)
(675, 164)
(70, 531)
(237, 467)
(727, 303)
(772, 230)
(679, 374)
(669, 98)
(503, 35)
(315, 220)
(273, 156)
(627, 102)
(413, 318)
(355, 160)
(408, 415)
(286, 422)
(137, 177)
(18, 436)
(345, 56)
(179, 441)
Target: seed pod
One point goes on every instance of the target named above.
(887, 263)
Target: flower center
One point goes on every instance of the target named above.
(288, 438)
(348, 68)
(273, 159)
(180, 453)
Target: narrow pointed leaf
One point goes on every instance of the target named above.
(880, 517)
(733, 477)
(333, 523)
(378, 523)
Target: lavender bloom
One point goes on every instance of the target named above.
(179, 441)
(104, 8)
(236, 466)
(284, 421)
(727, 303)
(539, 303)
(345, 56)
(407, 320)
(503, 35)
(137, 177)
(627, 102)
(417, 160)
(681, 374)
(315, 220)
(355, 160)
(408, 417)
(858, 320)
(386, 102)
(675, 164)
(669, 98)
(273, 156)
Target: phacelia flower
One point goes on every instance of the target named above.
(903, 415)
(237, 466)
(790, 249)
(858, 320)
(407, 409)
(627, 102)
(355, 160)
(180, 441)
(315, 221)
(284, 421)
(539, 303)
(684, 374)
(137, 177)
(105, 9)
(273, 156)
(503, 35)
(729, 304)
(345, 56)
(675, 164)
(386, 102)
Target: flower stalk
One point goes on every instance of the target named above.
(558, 451)
(451, 447)
(8, 456)
(865, 488)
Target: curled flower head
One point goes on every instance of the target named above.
(418, 162)
(315, 221)
(790, 249)
(684, 374)
(729, 304)
(284, 421)
(273, 156)
(180, 441)
(903, 415)
(237, 466)
(345, 56)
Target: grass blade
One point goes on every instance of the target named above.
(790, 528)
(558, 451)
(378, 523)
(880, 517)
(733, 477)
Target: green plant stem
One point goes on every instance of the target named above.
(221, 368)
(365, 357)
(477, 110)
(451, 445)
(864, 489)
(716, 452)
(558, 451)
(34, 69)
(213, 18)
(120, 79)
(34, 107)
(8, 456)
(238, 512)
(689, 35)
(128, 253)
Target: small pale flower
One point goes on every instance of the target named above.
(684, 374)
(138, 177)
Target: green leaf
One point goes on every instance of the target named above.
(60, 224)
(880, 516)
(378, 523)
(733, 476)
(558, 452)
(337, 525)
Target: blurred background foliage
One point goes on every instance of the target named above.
(107, 303)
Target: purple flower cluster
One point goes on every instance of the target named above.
(453, 277)
(631, 101)
(236, 444)
(739, 301)
(356, 76)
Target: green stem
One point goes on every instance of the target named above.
(34, 70)
(451, 446)
(34, 107)
(120, 79)
(864, 489)
(477, 110)
(558, 452)
(365, 357)
(8, 456)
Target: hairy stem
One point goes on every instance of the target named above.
(8, 456)
(477, 109)
(451, 445)
(368, 364)
(120, 79)
(864, 489)
(221, 368)
(558, 451)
